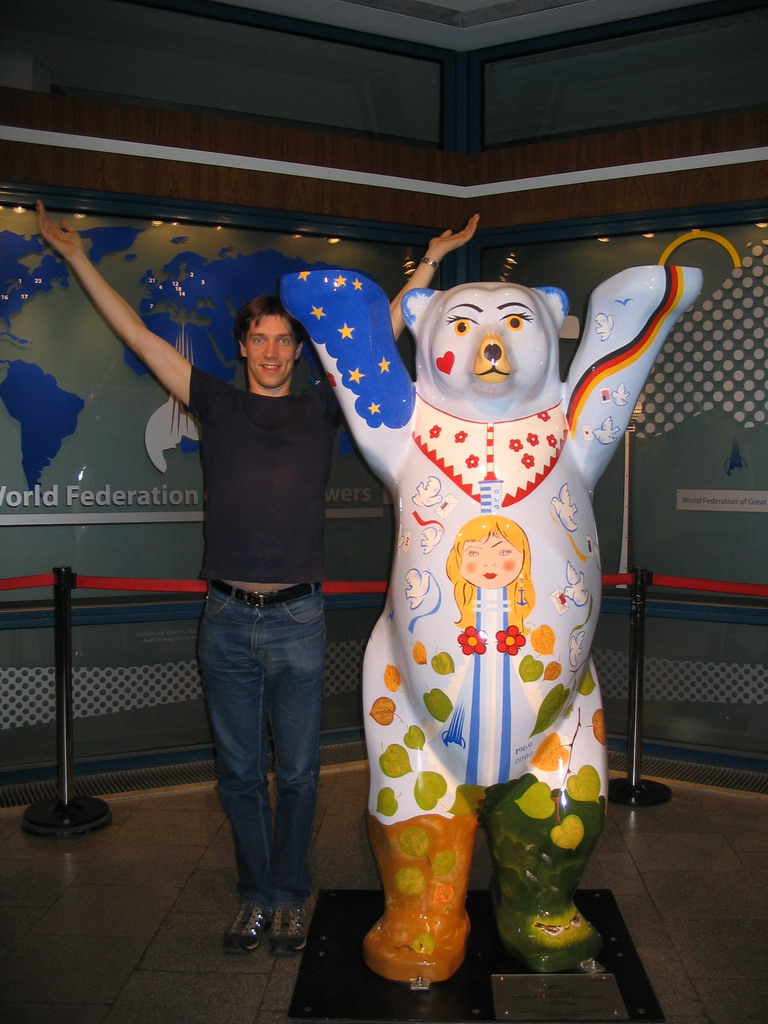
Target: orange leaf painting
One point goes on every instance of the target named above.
(598, 725)
(419, 653)
(383, 710)
(551, 754)
(392, 678)
(543, 640)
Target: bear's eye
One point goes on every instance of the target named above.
(461, 326)
(515, 322)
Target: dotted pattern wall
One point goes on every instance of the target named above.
(716, 357)
(28, 695)
(344, 666)
(692, 681)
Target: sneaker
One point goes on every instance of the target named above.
(287, 936)
(244, 934)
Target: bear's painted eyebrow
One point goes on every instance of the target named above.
(468, 305)
(514, 305)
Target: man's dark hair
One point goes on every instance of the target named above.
(253, 312)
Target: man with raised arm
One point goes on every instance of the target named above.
(266, 455)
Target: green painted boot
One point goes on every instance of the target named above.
(540, 840)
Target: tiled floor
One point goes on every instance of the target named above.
(124, 926)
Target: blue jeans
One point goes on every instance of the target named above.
(263, 672)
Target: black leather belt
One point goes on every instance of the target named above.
(259, 598)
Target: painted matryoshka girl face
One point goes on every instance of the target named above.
(491, 563)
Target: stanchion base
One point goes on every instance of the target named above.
(644, 794)
(54, 818)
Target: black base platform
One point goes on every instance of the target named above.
(335, 985)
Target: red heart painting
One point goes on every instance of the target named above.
(445, 362)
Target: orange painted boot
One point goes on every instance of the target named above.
(424, 866)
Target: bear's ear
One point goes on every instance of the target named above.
(413, 304)
(556, 302)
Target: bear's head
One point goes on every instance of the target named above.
(487, 351)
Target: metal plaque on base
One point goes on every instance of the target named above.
(557, 997)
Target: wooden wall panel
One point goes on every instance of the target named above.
(636, 145)
(43, 166)
(626, 196)
(51, 167)
(223, 135)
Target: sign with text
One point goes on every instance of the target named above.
(722, 501)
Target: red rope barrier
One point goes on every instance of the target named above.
(619, 579)
(200, 586)
(43, 579)
(129, 583)
(359, 586)
(353, 587)
(713, 586)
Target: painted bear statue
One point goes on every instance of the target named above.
(481, 699)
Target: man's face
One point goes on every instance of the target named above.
(270, 352)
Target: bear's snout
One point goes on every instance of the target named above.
(491, 361)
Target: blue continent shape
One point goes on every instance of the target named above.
(46, 412)
(20, 283)
(105, 241)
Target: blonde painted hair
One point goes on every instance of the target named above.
(465, 593)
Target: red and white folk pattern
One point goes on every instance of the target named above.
(520, 453)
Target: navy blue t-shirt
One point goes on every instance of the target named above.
(266, 463)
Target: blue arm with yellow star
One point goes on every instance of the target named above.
(348, 318)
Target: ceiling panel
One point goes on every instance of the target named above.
(462, 24)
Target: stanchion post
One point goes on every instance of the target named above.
(67, 815)
(633, 790)
(62, 642)
(637, 676)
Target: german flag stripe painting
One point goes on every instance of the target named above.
(620, 359)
